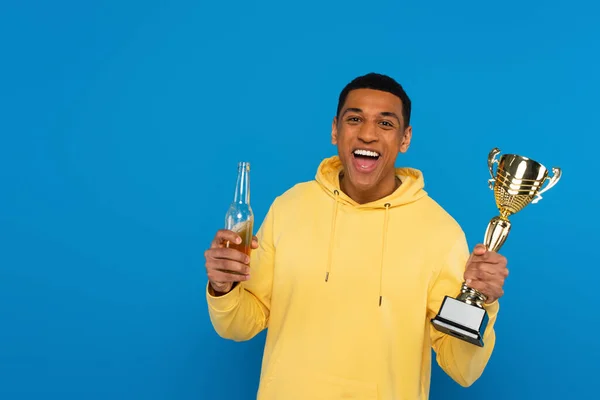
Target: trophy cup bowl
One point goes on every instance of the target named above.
(517, 183)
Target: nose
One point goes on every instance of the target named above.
(367, 133)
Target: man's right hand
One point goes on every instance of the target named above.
(226, 266)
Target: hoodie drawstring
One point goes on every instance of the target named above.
(383, 243)
(332, 238)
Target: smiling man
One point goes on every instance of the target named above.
(349, 268)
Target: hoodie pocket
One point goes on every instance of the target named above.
(333, 388)
(298, 386)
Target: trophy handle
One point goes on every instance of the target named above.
(491, 161)
(556, 174)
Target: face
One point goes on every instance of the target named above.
(369, 134)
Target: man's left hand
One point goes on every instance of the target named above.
(486, 272)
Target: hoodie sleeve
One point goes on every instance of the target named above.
(244, 312)
(462, 361)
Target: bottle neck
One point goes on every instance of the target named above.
(242, 187)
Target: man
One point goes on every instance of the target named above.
(349, 269)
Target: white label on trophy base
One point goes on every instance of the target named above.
(462, 313)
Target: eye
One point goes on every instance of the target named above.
(353, 120)
(387, 124)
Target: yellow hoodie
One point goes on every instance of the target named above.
(347, 292)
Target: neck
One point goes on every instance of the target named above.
(386, 187)
(242, 186)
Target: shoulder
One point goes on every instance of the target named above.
(298, 194)
(441, 235)
(294, 205)
(438, 220)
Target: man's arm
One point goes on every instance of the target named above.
(243, 312)
(462, 361)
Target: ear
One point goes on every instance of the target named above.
(334, 131)
(405, 142)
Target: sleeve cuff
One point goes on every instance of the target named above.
(225, 302)
(492, 308)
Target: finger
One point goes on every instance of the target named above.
(492, 288)
(486, 269)
(495, 270)
(477, 285)
(496, 278)
(254, 242)
(224, 253)
(475, 271)
(488, 257)
(223, 236)
(470, 275)
(222, 277)
(227, 266)
(493, 258)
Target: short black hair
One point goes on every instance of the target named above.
(381, 82)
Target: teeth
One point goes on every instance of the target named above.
(368, 153)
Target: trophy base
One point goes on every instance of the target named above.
(464, 321)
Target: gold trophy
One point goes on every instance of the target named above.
(517, 183)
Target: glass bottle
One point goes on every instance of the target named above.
(239, 217)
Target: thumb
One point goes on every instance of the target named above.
(254, 242)
(479, 250)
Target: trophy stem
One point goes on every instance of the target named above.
(497, 232)
(471, 296)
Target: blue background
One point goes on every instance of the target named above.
(122, 123)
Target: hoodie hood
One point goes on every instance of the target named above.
(410, 190)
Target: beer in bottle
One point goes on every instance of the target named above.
(240, 218)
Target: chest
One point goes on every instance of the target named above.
(363, 255)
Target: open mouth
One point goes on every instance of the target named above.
(365, 160)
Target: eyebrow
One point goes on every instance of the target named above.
(351, 109)
(384, 113)
(390, 114)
